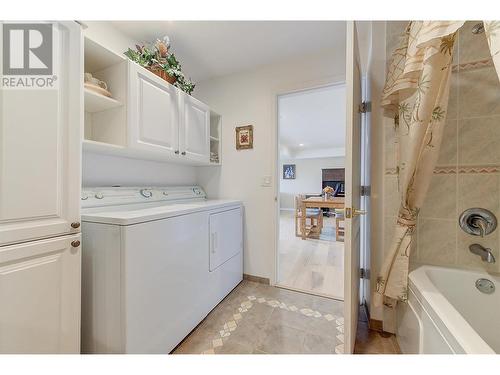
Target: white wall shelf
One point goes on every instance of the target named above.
(98, 57)
(96, 102)
(102, 147)
(105, 117)
(215, 136)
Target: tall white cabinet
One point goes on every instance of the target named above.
(40, 179)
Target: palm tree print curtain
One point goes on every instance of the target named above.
(492, 31)
(416, 96)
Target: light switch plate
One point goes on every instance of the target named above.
(267, 181)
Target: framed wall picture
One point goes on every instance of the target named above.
(244, 137)
(288, 171)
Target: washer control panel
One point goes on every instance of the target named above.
(103, 196)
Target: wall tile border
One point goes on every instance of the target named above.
(479, 64)
(464, 169)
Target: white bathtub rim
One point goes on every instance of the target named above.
(458, 328)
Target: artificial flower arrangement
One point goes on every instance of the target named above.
(163, 63)
(328, 190)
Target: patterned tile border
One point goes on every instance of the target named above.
(231, 325)
(477, 169)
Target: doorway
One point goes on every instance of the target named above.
(311, 174)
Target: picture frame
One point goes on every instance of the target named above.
(289, 172)
(244, 137)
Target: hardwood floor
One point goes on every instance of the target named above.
(311, 265)
(369, 341)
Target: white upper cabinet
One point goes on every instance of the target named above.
(153, 112)
(194, 135)
(40, 143)
(147, 117)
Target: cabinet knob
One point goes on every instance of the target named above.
(75, 243)
(75, 225)
(176, 152)
(183, 153)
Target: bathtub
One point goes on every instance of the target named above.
(446, 313)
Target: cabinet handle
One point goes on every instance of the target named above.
(183, 153)
(75, 243)
(75, 225)
(176, 152)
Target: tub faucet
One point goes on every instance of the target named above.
(485, 254)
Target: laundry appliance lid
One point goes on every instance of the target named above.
(133, 205)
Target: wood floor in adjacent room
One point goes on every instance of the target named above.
(311, 265)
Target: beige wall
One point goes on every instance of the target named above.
(250, 98)
(467, 171)
(309, 178)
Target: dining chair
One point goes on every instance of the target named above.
(314, 215)
(339, 225)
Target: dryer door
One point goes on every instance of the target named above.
(226, 236)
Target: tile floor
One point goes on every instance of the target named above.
(260, 319)
(255, 318)
(314, 265)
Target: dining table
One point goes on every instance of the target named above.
(318, 202)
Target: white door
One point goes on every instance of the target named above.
(353, 189)
(226, 237)
(40, 296)
(153, 112)
(40, 147)
(194, 129)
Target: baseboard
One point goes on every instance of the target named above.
(257, 279)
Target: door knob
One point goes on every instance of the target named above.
(351, 212)
(176, 152)
(75, 243)
(183, 153)
(75, 225)
(356, 212)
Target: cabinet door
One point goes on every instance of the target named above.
(195, 129)
(153, 112)
(40, 143)
(226, 236)
(40, 296)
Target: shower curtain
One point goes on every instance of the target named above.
(416, 96)
(492, 31)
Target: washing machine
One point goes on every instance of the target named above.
(155, 262)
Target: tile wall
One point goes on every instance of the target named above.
(467, 174)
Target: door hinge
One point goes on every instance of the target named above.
(364, 273)
(365, 191)
(365, 107)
